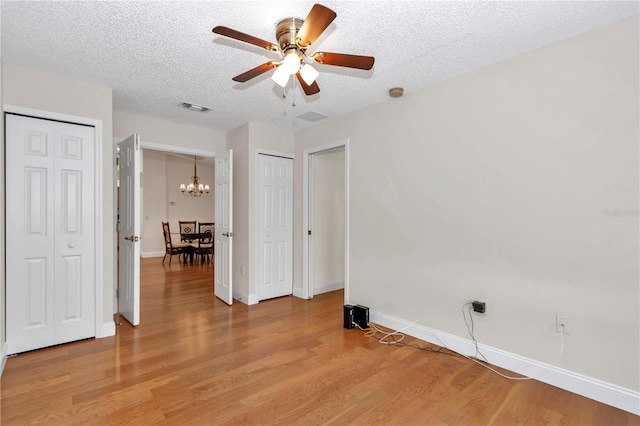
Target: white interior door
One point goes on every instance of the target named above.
(275, 226)
(129, 229)
(223, 250)
(50, 265)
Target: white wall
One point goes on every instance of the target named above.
(238, 141)
(166, 132)
(3, 349)
(39, 90)
(328, 220)
(154, 202)
(516, 184)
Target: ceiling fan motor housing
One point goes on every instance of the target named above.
(286, 33)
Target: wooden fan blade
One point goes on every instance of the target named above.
(308, 89)
(344, 60)
(319, 18)
(254, 72)
(228, 32)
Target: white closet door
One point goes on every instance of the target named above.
(275, 222)
(50, 233)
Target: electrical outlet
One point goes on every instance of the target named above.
(562, 323)
(479, 307)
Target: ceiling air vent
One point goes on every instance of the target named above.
(312, 116)
(194, 107)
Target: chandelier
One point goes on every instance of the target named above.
(195, 188)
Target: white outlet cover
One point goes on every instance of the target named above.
(562, 319)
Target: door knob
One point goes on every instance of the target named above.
(71, 245)
(131, 238)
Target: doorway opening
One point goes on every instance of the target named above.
(145, 215)
(326, 219)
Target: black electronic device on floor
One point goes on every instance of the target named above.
(348, 316)
(361, 316)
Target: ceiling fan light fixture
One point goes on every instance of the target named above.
(281, 76)
(291, 62)
(308, 74)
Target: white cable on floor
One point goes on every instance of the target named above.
(551, 367)
(402, 335)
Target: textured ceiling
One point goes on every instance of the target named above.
(156, 54)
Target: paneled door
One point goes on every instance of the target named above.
(50, 230)
(129, 229)
(275, 226)
(223, 247)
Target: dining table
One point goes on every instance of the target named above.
(189, 237)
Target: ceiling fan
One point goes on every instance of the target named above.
(295, 37)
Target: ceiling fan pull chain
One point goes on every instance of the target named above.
(293, 89)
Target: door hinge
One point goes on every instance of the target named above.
(309, 232)
(117, 293)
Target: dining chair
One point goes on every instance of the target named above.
(205, 244)
(187, 229)
(171, 248)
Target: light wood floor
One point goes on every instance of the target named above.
(194, 360)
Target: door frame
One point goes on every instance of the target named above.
(152, 146)
(102, 329)
(307, 291)
(255, 298)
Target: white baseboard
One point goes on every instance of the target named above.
(297, 292)
(250, 299)
(328, 287)
(152, 254)
(607, 393)
(3, 351)
(107, 329)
